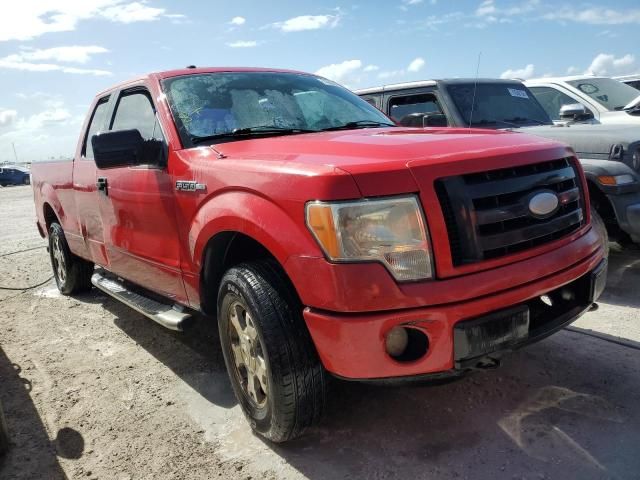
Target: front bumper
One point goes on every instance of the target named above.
(352, 346)
(627, 210)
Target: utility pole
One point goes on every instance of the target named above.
(13, 144)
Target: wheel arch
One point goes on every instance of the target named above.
(237, 227)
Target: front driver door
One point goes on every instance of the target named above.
(137, 207)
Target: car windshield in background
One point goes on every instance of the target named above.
(610, 93)
(497, 105)
(231, 106)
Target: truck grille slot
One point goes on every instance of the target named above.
(488, 214)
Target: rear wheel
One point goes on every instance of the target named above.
(272, 362)
(72, 273)
(601, 228)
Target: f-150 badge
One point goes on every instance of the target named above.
(189, 186)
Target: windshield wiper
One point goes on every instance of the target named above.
(250, 131)
(359, 124)
(495, 122)
(523, 120)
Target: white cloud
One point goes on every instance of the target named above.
(572, 70)
(596, 16)
(388, 74)
(32, 18)
(607, 64)
(75, 53)
(307, 22)
(7, 117)
(132, 12)
(243, 44)
(31, 60)
(340, 72)
(371, 68)
(416, 65)
(237, 21)
(523, 73)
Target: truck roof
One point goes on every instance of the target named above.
(562, 79)
(159, 75)
(430, 83)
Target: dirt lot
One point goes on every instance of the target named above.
(92, 389)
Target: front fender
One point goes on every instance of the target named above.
(280, 229)
(596, 168)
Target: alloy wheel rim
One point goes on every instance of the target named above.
(248, 355)
(59, 264)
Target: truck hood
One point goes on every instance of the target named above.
(589, 139)
(381, 159)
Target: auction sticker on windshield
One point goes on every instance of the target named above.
(518, 93)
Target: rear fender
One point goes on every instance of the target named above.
(49, 196)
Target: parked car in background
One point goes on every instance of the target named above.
(14, 175)
(587, 99)
(321, 236)
(610, 154)
(631, 80)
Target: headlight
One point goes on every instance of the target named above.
(616, 180)
(391, 231)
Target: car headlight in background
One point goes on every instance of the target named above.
(391, 231)
(616, 180)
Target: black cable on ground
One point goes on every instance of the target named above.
(21, 251)
(606, 338)
(24, 289)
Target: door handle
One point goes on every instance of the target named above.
(101, 185)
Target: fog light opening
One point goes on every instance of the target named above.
(406, 344)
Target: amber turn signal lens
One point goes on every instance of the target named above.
(320, 220)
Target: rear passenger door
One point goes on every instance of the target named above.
(137, 206)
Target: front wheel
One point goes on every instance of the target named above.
(272, 362)
(601, 228)
(72, 273)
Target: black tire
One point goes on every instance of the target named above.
(72, 273)
(295, 379)
(601, 228)
(4, 433)
(27, 180)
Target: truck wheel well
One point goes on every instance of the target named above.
(49, 215)
(602, 205)
(223, 251)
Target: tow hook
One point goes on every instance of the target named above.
(594, 306)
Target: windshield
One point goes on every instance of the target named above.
(610, 93)
(497, 105)
(262, 103)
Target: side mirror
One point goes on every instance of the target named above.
(422, 120)
(125, 148)
(435, 120)
(575, 112)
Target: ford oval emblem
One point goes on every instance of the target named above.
(543, 204)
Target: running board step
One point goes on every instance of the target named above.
(169, 316)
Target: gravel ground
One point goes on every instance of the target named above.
(91, 389)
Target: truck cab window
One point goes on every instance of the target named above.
(96, 124)
(406, 109)
(135, 110)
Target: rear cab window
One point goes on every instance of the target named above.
(96, 125)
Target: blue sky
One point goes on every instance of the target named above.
(55, 55)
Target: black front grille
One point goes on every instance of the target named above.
(487, 214)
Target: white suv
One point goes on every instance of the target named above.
(603, 100)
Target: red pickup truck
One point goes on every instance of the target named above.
(323, 237)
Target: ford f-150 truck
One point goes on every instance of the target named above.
(323, 237)
(609, 154)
